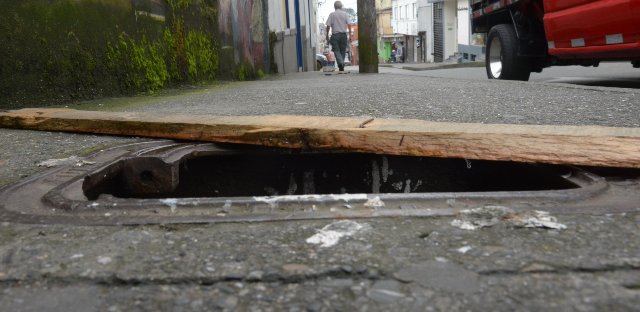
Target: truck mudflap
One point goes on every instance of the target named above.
(582, 29)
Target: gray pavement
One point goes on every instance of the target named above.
(608, 74)
(421, 264)
(403, 95)
(432, 66)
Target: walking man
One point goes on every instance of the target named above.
(339, 23)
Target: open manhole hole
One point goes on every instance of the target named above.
(169, 182)
(255, 172)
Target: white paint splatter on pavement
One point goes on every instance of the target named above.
(331, 234)
(171, 202)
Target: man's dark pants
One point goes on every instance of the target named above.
(339, 46)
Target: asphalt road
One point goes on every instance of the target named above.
(615, 75)
(409, 94)
(410, 264)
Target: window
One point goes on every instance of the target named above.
(413, 15)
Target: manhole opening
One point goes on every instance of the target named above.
(286, 173)
(184, 182)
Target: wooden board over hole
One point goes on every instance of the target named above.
(579, 145)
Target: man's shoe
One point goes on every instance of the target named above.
(341, 68)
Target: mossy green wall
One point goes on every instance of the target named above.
(60, 51)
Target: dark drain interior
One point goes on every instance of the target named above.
(275, 173)
(190, 182)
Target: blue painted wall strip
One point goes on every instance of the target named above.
(296, 5)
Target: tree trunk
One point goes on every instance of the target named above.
(367, 37)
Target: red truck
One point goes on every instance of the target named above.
(525, 36)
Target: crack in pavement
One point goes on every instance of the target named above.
(337, 273)
(559, 270)
(115, 280)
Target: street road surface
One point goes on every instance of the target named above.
(618, 75)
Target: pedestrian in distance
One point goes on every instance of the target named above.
(339, 22)
(399, 54)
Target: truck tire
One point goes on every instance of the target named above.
(502, 60)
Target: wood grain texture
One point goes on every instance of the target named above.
(579, 145)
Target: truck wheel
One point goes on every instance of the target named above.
(502, 60)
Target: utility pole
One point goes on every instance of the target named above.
(367, 37)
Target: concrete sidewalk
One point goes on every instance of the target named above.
(431, 66)
(592, 263)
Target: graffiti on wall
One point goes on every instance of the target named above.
(242, 25)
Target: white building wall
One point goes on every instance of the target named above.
(312, 22)
(405, 23)
(404, 17)
(278, 14)
(308, 19)
(464, 28)
(425, 23)
(277, 17)
(285, 47)
(457, 27)
(450, 28)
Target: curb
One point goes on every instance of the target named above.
(436, 67)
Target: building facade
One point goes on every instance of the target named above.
(470, 45)
(385, 31)
(295, 26)
(404, 20)
(445, 28)
(425, 30)
(430, 31)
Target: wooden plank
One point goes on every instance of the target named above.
(580, 145)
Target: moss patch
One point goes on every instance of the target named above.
(65, 51)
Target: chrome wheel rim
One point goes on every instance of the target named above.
(495, 58)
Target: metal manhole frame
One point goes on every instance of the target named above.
(52, 207)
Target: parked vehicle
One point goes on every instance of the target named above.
(321, 61)
(525, 36)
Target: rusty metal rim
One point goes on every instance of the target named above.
(589, 185)
(418, 204)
